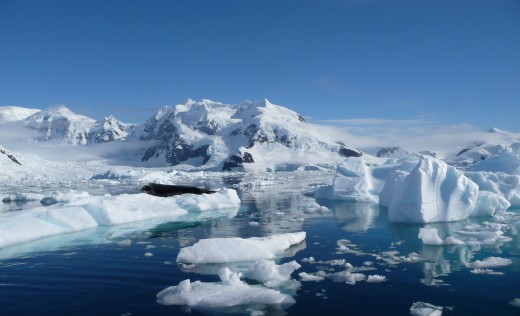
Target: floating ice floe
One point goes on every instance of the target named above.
(425, 309)
(271, 274)
(515, 302)
(95, 211)
(487, 234)
(230, 291)
(217, 250)
(490, 262)
(431, 192)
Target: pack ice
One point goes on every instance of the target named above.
(94, 211)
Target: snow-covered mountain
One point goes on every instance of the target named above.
(205, 135)
(480, 150)
(15, 113)
(251, 135)
(59, 124)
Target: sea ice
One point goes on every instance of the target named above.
(490, 262)
(95, 211)
(306, 277)
(432, 192)
(271, 274)
(230, 291)
(218, 250)
(376, 278)
(425, 309)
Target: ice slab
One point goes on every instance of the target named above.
(229, 292)
(425, 309)
(432, 192)
(95, 211)
(490, 262)
(218, 250)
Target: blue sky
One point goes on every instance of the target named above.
(448, 62)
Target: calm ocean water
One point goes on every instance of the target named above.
(85, 278)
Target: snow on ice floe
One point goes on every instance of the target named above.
(229, 292)
(217, 250)
(425, 309)
(515, 302)
(96, 211)
(490, 262)
(431, 192)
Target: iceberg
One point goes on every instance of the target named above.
(497, 182)
(432, 192)
(229, 292)
(219, 250)
(96, 211)
(489, 204)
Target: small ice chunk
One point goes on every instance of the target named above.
(376, 278)
(230, 291)
(515, 302)
(124, 243)
(306, 277)
(490, 262)
(271, 274)
(485, 271)
(218, 250)
(148, 254)
(425, 309)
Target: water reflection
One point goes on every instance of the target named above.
(479, 234)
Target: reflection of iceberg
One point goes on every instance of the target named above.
(355, 216)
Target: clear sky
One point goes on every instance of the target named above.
(445, 61)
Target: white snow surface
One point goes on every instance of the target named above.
(425, 309)
(95, 211)
(432, 192)
(490, 262)
(230, 291)
(15, 113)
(218, 250)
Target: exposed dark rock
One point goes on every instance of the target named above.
(347, 152)
(235, 161)
(13, 158)
(387, 151)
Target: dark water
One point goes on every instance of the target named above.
(118, 279)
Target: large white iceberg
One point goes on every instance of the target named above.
(229, 292)
(432, 192)
(218, 250)
(95, 211)
(359, 180)
(498, 182)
